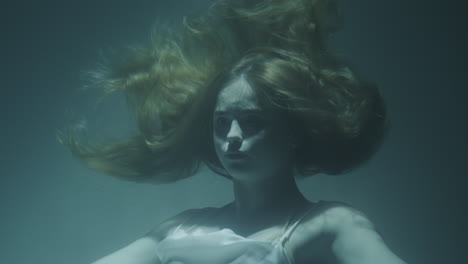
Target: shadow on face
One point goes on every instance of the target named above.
(251, 139)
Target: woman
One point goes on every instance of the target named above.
(274, 114)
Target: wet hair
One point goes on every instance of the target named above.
(339, 120)
(299, 25)
(279, 47)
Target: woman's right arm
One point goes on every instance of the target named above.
(143, 250)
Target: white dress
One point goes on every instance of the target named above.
(198, 246)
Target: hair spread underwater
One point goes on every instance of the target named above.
(250, 90)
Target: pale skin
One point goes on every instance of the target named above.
(255, 145)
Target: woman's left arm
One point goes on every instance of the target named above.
(355, 240)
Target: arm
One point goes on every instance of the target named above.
(143, 250)
(355, 239)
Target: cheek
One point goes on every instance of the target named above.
(271, 147)
(218, 144)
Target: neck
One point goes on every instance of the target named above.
(266, 201)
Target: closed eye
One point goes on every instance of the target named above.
(252, 124)
(222, 125)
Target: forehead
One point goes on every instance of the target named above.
(237, 95)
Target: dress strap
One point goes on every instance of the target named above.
(292, 227)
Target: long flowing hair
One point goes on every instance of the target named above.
(280, 46)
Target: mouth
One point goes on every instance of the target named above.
(235, 155)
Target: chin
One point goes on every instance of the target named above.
(240, 171)
(246, 174)
(250, 170)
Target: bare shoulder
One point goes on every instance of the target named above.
(347, 234)
(160, 231)
(325, 218)
(337, 217)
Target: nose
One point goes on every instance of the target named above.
(234, 136)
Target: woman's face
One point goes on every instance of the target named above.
(252, 140)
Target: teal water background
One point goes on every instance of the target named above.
(55, 211)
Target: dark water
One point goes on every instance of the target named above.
(55, 211)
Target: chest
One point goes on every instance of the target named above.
(211, 246)
(304, 244)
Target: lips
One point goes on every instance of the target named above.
(235, 155)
